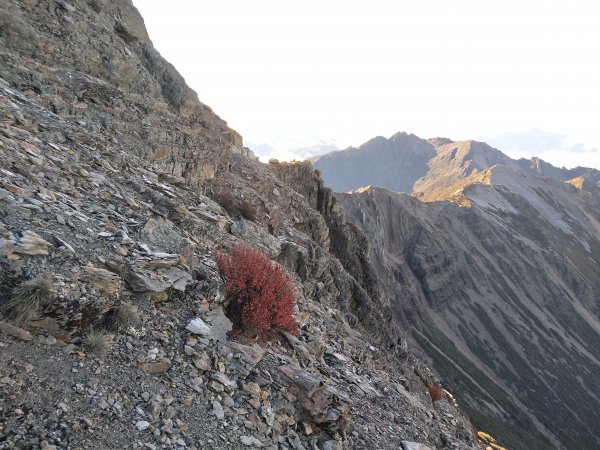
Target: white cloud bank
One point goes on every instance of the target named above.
(558, 149)
(292, 150)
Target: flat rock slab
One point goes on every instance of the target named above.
(251, 355)
(407, 445)
(250, 441)
(199, 327)
(160, 280)
(301, 378)
(220, 324)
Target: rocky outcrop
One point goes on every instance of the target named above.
(93, 63)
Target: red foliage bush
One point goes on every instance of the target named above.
(260, 292)
(435, 391)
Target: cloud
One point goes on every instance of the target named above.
(558, 149)
(266, 151)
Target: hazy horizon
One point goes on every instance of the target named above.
(291, 76)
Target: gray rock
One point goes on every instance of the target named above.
(159, 280)
(203, 362)
(198, 326)
(220, 324)
(407, 445)
(217, 410)
(142, 425)
(223, 379)
(250, 441)
(251, 232)
(145, 282)
(332, 445)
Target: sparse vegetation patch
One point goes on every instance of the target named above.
(259, 291)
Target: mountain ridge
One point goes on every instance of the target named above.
(494, 270)
(442, 162)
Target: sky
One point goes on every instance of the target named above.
(299, 75)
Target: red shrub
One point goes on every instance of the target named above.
(435, 391)
(260, 292)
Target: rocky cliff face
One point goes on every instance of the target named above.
(93, 62)
(499, 287)
(112, 327)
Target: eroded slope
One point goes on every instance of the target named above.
(502, 295)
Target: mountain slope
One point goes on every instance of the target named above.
(95, 63)
(113, 319)
(502, 296)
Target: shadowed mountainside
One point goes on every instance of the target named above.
(499, 285)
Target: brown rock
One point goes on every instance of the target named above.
(203, 362)
(14, 189)
(15, 331)
(32, 244)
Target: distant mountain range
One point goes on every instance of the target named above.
(407, 163)
(492, 266)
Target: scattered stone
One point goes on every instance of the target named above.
(15, 331)
(157, 367)
(142, 425)
(217, 410)
(223, 379)
(251, 441)
(203, 362)
(217, 387)
(332, 445)
(407, 445)
(32, 244)
(252, 388)
(198, 326)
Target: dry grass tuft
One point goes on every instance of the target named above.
(123, 316)
(248, 210)
(98, 342)
(236, 206)
(28, 297)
